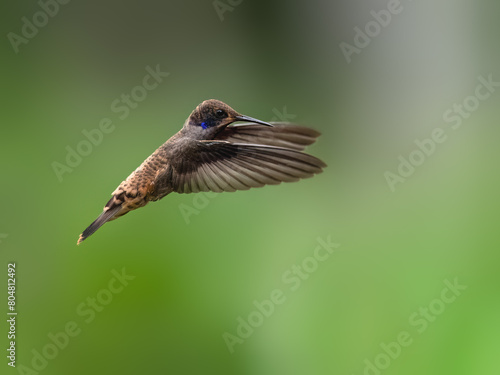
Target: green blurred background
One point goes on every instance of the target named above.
(194, 279)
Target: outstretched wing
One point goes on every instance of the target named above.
(284, 135)
(224, 166)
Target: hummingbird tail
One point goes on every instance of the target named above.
(99, 222)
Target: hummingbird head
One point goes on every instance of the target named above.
(212, 115)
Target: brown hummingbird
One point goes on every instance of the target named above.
(210, 153)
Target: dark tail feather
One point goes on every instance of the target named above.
(99, 222)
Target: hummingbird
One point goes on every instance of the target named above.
(213, 153)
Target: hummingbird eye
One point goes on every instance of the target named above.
(220, 113)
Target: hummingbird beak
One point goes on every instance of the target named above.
(250, 119)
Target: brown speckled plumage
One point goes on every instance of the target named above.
(210, 154)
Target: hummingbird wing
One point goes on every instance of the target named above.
(224, 166)
(285, 135)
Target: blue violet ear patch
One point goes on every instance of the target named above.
(204, 125)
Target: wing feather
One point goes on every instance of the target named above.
(223, 166)
(291, 136)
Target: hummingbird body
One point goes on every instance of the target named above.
(208, 154)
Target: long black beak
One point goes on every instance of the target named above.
(251, 119)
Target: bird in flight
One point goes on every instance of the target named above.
(211, 153)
